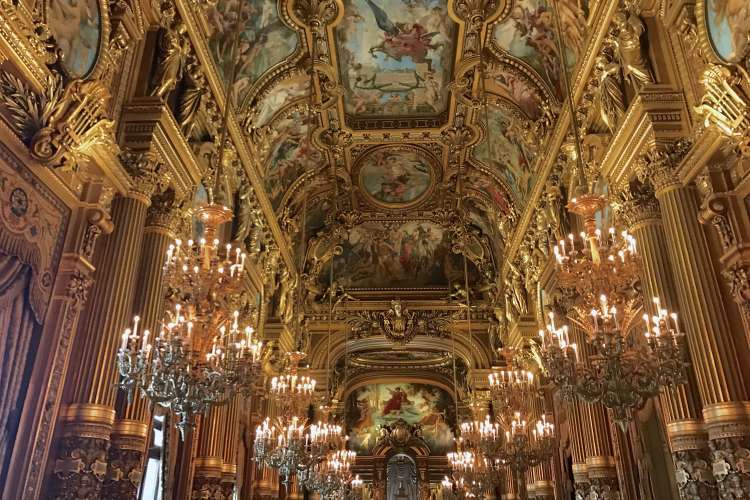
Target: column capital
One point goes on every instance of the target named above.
(165, 211)
(659, 164)
(637, 204)
(146, 173)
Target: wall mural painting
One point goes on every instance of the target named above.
(520, 90)
(512, 156)
(396, 176)
(281, 94)
(292, 156)
(728, 23)
(529, 34)
(370, 406)
(395, 56)
(76, 26)
(415, 254)
(264, 40)
(490, 187)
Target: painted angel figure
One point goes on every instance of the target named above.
(402, 39)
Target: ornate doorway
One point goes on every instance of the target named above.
(401, 478)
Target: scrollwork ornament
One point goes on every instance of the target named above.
(81, 468)
(147, 174)
(207, 488)
(637, 204)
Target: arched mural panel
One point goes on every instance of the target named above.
(370, 406)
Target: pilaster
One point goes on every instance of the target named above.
(89, 418)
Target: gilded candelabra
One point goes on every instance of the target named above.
(526, 446)
(332, 477)
(473, 474)
(511, 391)
(176, 372)
(598, 272)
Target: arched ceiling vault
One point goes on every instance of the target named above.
(398, 140)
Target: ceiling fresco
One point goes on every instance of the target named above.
(264, 40)
(396, 176)
(291, 156)
(395, 57)
(393, 84)
(507, 152)
(371, 406)
(393, 254)
(528, 34)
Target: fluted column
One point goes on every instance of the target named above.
(544, 485)
(688, 439)
(720, 378)
(209, 461)
(229, 450)
(577, 432)
(129, 440)
(82, 464)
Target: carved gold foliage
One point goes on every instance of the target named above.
(63, 124)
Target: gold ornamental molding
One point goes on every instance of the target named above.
(147, 124)
(656, 115)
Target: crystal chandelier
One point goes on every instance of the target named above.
(179, 372)
(291, 392)
(206, 276)
(615, 367)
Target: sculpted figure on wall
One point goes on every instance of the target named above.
(174, 49)
(636, 67)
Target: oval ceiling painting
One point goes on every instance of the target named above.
(395, 57)
(728, 23)
(77, 27)
(396, 177)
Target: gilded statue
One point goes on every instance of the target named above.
(289, 283)
(611, 101)
(174, 49)
(635, 65)
(516, 291)
(336, 294)
(246, 212)
(191, 98)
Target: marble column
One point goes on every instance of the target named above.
(81, 466)
(718, 371)
(209, 461)
(129, 440)
(686, 432)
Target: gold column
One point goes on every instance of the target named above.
(129, 440)
(229, 451)
(720, 378)
(577, 432)
(544, 485)
(687, 436)
(88, 419)
(209, 462)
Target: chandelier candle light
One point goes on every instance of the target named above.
(177, 372)
(511, 391)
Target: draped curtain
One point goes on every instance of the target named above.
(18, 328)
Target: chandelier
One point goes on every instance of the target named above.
(526, 446)
(178, 371)
(511, 391)
(332, 477)
(615, 367)
(473, 474)
(292, 393)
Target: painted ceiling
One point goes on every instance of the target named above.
(387, 107)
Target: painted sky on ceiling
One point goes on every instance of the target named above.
(395, 57)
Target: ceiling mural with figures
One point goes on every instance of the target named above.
(389, 109)
(263, 41)
(395, 57)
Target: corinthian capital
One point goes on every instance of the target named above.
(165, 211)
(147, 174)
(637, 204)
(658, 166)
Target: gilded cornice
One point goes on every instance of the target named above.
(657, 114)
(17, 38)
(147, 124)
